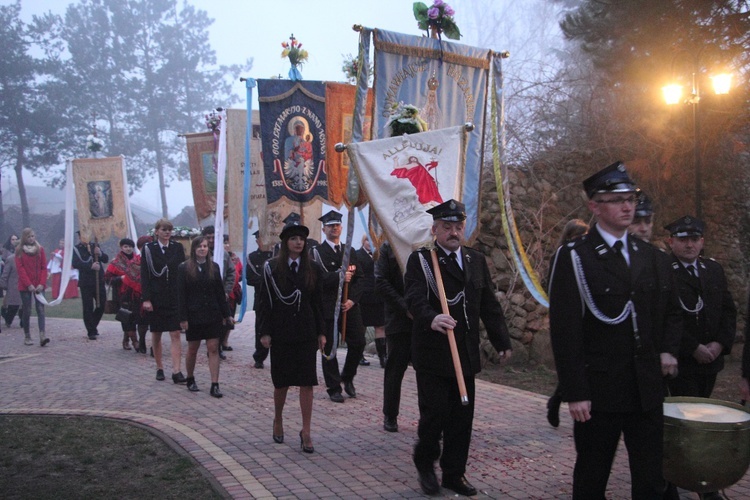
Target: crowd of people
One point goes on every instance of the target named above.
(629, 323)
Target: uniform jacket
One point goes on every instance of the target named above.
(83, 260)
(161, 290)
(201, 300)
(600, 362)
(287, 323)
(430, 350)
(331, 264)
(369, 293)
(254, 272)
(389, 282)
(716, 322)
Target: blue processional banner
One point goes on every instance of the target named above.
(293, 138)
(448, 83)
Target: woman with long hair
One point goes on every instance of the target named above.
(573, 229)
(159, 292)
(31, 266)
(291, 325)
(203, 310)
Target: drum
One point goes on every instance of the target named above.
(706, 443)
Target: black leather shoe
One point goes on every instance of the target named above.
(336, 397)
(364, 362)
(349, 389)
(553, 410)
(460, 485)
(390, 424)
(222, 356)
(191, 385)
(178, 378)
(258, 365)
(215, 392)
(92, 337)
(428, 481)
(159, 374)
(228, 348)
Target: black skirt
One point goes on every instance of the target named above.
(164, 320)
(294, 364)
(204, 331)
(373, 314)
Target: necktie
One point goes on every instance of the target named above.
(337, 248)
(617, 247)
(293, 266)
(454, 259)
(693, 272)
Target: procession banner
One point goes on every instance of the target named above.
(273, 222)
(448, 83)
(293, 138)
(100, 198)
(339, 119)
(201, 160)
(405, 176)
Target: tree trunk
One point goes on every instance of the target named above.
(162, 186)
(21, 187)
(2, 211)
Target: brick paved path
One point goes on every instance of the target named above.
(514, 452)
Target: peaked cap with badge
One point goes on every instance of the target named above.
(613, 178)
(331, 218)
(686, 226)
(644, 207)
(451, 211)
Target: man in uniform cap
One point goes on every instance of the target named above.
(254, 274)
(291, 218)
(612, 355)
(643, 220)
(471, 296)
(329, 254)
(709, 312)
(89, 259)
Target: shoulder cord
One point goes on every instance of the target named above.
(318, 259)
(698, 306)
(585, 292)
(78, 253)
(150, 262)
(432, 285)
(252, 267)
(293, 298)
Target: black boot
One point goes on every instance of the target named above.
(380, 347)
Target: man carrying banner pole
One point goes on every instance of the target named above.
(470, 296)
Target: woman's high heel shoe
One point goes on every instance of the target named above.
(280, 438)
(306, 449)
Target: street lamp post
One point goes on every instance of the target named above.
(673, 95)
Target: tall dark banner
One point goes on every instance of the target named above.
(292, 126)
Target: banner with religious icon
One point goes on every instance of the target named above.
(101, 198)
(201, 158)
(447, 82)
(293, 138)
(339, 118)
(405, 176)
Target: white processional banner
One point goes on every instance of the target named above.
(405, 176)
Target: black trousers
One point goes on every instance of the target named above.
(596, 443)
(355, 343)
(92, 314)
(399, 356)
(441, 414)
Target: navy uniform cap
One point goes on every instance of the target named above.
(293, 216)
(611, 179)
(331, 218)
(451, 211)
(644, 208)
(294, 228)
(686, 226)
(256, 234)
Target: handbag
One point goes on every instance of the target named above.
(123, 315)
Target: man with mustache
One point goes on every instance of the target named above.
(471, 295)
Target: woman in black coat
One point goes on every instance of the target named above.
(159, 293)
(291, 325)
(203, 310)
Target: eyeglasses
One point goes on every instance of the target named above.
(631, 200)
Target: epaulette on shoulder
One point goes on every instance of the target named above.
(576, 242)
(675, 266)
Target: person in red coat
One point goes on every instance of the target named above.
(31, 265)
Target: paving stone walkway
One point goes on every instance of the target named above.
(514, 452)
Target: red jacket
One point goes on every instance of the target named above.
(32, 269)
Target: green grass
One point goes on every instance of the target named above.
(68, 308)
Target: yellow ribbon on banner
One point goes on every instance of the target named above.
(513, 237)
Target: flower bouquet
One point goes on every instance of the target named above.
(437, 19)
(213, 119)
(94, 144)
(180, 232)
(350, 67)
(296, 54)
(405, 119)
